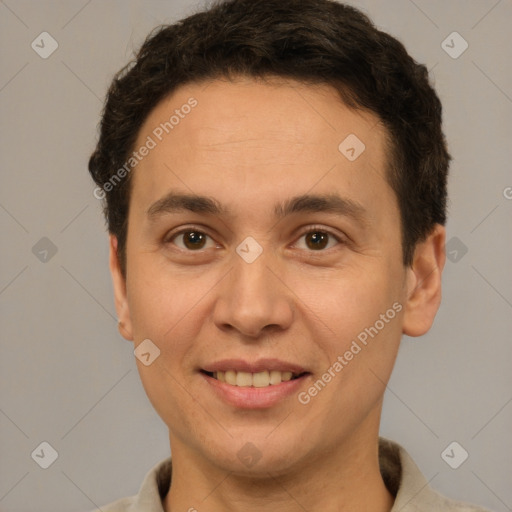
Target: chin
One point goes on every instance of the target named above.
(256, 457)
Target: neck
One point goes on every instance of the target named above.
(344, 479)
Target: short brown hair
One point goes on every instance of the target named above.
(311, 41)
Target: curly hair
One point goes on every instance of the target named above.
(310, 41)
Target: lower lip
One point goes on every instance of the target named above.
(254, 398)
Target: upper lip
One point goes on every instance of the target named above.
(260, 365)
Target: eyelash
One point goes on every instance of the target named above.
(196, 229)
(312, 229)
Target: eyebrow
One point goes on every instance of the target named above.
(307, 203)
(329, 203)
(174, 203)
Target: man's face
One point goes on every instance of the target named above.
(328, 228)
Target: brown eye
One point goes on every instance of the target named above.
(317, 240)
(192, 240)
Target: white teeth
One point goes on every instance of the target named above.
(286, 376)
(257, 380)
(243, 379)
(230, 377)
(261, 379)
(275, 377)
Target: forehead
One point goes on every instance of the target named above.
(247, 139)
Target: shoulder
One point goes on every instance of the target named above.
(151, 493)
(121, 505)
(448, 504)
(412, 491)
(432, 500)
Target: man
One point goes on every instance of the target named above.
(274, 176)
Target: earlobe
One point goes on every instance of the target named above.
(120, 298)
(424, 283)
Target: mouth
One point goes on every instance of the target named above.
(260, 384)
(261, 379)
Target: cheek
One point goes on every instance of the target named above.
(358, 332)
(167, 391)
(161, 302)
(169, 311)
(356, 325)
(345, 303)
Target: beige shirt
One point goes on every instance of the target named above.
(400, 474)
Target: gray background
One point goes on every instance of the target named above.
(68, 378)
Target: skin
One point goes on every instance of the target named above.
(251, 144)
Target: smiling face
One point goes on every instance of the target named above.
(258, 255)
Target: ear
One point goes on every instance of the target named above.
(121, 302)
(424, 283)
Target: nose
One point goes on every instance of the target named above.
(253, 300)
